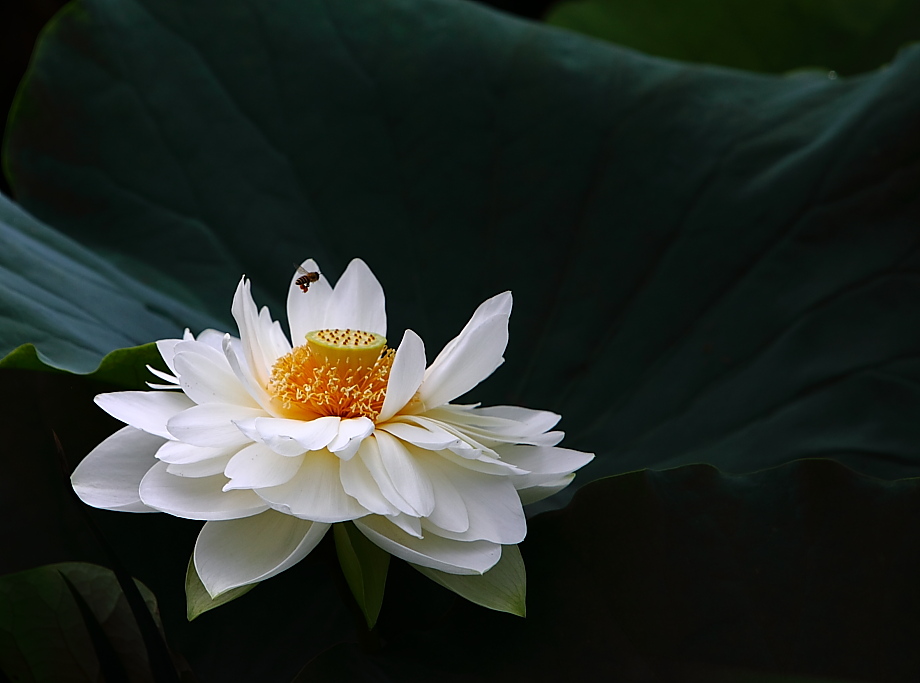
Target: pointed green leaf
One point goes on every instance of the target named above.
(502, 588)
(365, 567)
(198, 600)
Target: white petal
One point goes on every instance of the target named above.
(411, 525)
(352, 432)
(408, 477)
(166, 347)
(369, 455)
(211, 424)
(200, 348)
(358, 483)
(273, 339)
(471, 356)
(482, 463)
(169, 347)
(405, 375)
(315, 492)
(466, 450)
(257, 466)
(146, 410)
(532, 494)
(450, 511)
(537, 421)
(232, 349)
(428, 436)
(492, 504)
(206, 379)
(440, 434)
(211, 337)
(551, 469)
(545, 460)
(492, 439)
(357, 302)
(255, 334)
(453, 557)
(110, 475)
(307, 310)
(508, 424)
(237, 552)
(203, 468)
(165, 376)
(198, 498)
(176, 452)
(291, 437)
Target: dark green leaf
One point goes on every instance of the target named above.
(63, 307)
(849, 36)
(199, 601)
(708, 266)
(502, 588)
(806, 570)
(57, 623)
(365, 567)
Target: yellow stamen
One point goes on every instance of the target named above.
(337, 372)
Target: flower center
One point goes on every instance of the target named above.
(337, 372)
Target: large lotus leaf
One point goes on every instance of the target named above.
(708, 265)
(805, 572)
(63, 307)
(849, 36)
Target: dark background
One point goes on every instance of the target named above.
(608, 615)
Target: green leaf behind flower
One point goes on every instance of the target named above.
(365, 567)
(63, 307)
(708, 265)
(848, 36)
(502, 588)
(198, 600)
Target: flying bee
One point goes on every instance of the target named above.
(306, 279)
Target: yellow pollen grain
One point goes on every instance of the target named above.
(337, 372)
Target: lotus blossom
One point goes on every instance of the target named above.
(271, 443)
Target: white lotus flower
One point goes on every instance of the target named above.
(272, 444)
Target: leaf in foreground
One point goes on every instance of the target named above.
(70, 622)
